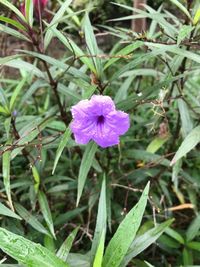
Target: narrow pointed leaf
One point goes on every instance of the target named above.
(7, 212)
(63, 143)
(6, 176)
(100, 230)
(125, 234)
(16, 92)
(92, 45)
(57, 16)
(144, 241)
(99, 253)
(13, 8)
(64, 250)
(46, 211)
(86, 164)
(30, 219)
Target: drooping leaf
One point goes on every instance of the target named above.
(15, 33)
(30, 219)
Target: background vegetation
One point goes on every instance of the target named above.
(87, 206)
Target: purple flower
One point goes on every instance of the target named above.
(98, 120)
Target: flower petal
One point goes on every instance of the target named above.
(83, 130)
(104, 136)
(118, 121)
(80, 110)
(84, 125)
(97, 119)
(81, 138)
(101, 105)
(108, 141)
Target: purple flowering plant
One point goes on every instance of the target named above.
(97, 119)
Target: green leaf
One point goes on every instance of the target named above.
(30, 219)
(36, 177)
(187, 257)
(4, 101)
(29, 12)
(12, 22)
(99, 254)
(186, 120)
(13, 8)
(169, 242)
(161, 49)
(122, 92)
(64, 250)
(63, 143)
(6, 176)
(86, 164)
(26, 66)
(184, 32)
(71, 45)
(4, 111)
(59, 14)
(182, 8)
(17, 34)
(194, 245)
(92, 45)
(32, 129)
(131, 65)
(65, 217)
(175, 235)
(49, 243)
(196, 17)
(26, 252)
(191, 140)
(124, 51)
(125, 234)
(193, 229)
(100, 230)
(156, 144)
(57, 63)
(46, 211)
(16, 92)
(144, 241)
(4, 60)
(7, 212)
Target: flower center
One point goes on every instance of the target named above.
(100, 119)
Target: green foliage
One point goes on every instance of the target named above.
(53, 58)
